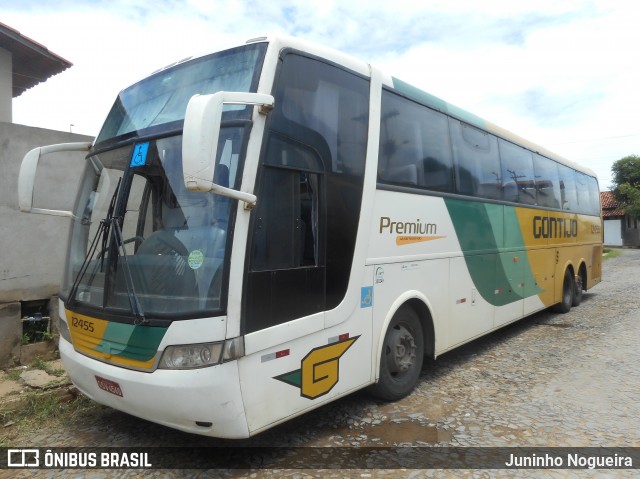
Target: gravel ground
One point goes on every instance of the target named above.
(549, 380)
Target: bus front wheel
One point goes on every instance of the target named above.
(402, 356)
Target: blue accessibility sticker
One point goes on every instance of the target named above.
(366, 297)
(139, 156)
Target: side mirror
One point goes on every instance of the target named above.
(27, 176)
(200, 139)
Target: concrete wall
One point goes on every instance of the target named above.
(10, 332)
(631, 232)
(6, 85)
(33, 247)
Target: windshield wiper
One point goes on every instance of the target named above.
(103, 229)
(134, 302)
(85, 264)
(110, 225)
(113, 225)
(106, 222)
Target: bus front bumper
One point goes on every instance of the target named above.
(203, 401)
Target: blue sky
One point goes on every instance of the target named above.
(562, 73)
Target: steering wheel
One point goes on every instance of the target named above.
(168, 274)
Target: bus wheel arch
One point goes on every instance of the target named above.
(424, 314)
(408, 337)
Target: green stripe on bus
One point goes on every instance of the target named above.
(139, 343)
(144, 342)
(500, 277)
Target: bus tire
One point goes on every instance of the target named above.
(568, 293)
(401, 357)
(577, 294)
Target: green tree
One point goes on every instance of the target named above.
(626, 184)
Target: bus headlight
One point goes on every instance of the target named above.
(190, 356)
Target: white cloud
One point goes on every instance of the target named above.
(562, 73)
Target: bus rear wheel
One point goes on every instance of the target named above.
(568, 293)
(402, 356)
(577, 295)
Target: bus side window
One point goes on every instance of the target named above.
(594, 192)
(287, 267)
(547, 181)
(286, 225)
(414, 145)
(477, 161)
(584, 196)
(568, 193)
(287, 216)
(518, 183)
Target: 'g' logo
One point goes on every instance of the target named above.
(319, 370)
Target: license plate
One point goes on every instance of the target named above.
(109, 386)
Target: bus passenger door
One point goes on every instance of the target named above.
(286, 277)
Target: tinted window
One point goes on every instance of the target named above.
(326, 101)
(518, 183)
(414, 145)
(289, 155)
(478, 170)
(568, 195)
(588, 194)
(582, 186)
(594, 193)
(547, 181)
(287, 223)
(162, 98)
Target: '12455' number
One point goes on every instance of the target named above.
(82, 324)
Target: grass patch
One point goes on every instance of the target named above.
(39, 363)
(608, 253)
(14, 374)
(39, 411)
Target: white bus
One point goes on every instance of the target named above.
(265, 229)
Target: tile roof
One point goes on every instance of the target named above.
(32, 62)
(610, 206)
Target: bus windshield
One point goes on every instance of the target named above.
(170, 249)
(142, 245)
(161, 100)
